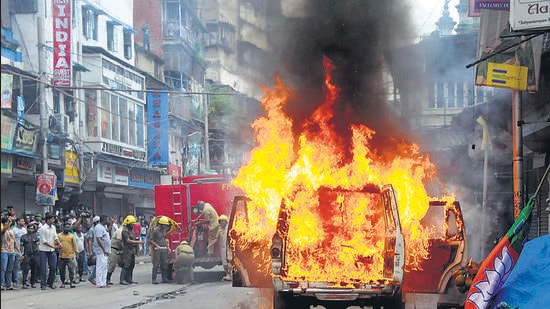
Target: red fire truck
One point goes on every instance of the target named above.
(178, 201)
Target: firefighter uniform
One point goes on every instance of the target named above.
(159, 250)
(183, 266)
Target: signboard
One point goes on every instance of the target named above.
(530, 14)
(7, 163)
(71, 170)
(25, 140)
(62, 42)
(143, 178)
(24, 165)
(158, 128)
(105, 172)
(6, 86)
(507, 76)
(8, 131)
(121, 176)
(499, 46)
(46, 189)
(475, 6)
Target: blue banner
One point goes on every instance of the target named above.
(158, 128)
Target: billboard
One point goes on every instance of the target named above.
(62, 43)
(530, 14)
(506, 53)
(158, 128)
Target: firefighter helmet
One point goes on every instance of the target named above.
(184, 242)
(164, 220)
(223, 218)
(129, 220)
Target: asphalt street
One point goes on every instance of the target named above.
(86, 295)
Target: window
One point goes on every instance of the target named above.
(139, 123)
(131, 124)
(127, 44)
(123, 120)
(89, 24)
(112, 37)
(105, 117)
(114, 117)
(91, 112)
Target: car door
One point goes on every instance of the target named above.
(250, 260)
(447, 248)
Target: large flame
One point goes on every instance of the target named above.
(339, 239)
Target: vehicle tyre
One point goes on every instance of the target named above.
(280, 302)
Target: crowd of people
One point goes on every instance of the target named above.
(39, 250)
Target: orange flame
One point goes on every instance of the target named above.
(340, 241)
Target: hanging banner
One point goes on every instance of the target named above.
(158, 128)
(513, 63)
(62, 43)
(8, 132)
(7, 88)
(46, 189)
(71, 169)
(475, 6)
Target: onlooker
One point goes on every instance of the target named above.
(102, 248)
(9, 249)
(49, 242)
(31, 257)
(18, 230)
(143, 236)
(136, 232)
(67, 252)
(90, 240)
(81, 254)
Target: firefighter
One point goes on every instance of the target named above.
(160, 252)
(208, 212)
(221, 241)
(183, 266)
(127, 258)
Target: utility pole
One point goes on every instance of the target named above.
(206, 136)
(44, 119)
(517, 140)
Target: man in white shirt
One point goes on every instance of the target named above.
(102, 248)
(48, 257)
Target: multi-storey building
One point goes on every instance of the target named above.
(172, 31)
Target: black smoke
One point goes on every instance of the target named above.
(353, 34)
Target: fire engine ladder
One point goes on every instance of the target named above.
(177, 211)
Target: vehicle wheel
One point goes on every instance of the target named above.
(280, 302)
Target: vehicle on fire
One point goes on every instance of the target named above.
(339, 274)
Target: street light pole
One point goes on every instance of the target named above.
(44, 119)
(206, 136)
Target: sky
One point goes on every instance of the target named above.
(427, 12)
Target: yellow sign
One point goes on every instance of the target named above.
(507, 76)
(71, 169)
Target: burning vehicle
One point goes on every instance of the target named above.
(326, 220)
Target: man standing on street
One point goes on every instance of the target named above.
(67, 254)
(102, 248)
(49, 242)
(31, 258)
(19, 230)
(159, 248)
(130, 245)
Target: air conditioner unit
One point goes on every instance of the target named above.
(62, 123)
